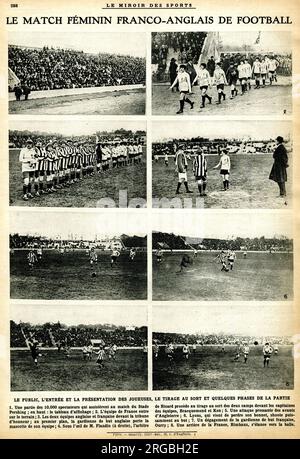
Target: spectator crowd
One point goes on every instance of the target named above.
(173, 242)
(54, 335)
(187, 47)
(18, 241)
(215, 339)
(213, 146)
(48, 68)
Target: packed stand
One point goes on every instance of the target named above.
(53, 335)
(49, 68)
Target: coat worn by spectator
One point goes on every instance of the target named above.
(278, 172)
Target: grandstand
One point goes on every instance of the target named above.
(52, 334)
(175, 242)
(49, 68)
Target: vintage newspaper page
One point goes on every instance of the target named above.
(149, 184)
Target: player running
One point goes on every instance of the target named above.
(169, 350)
(231, 259)
(34, 349)
(93, 256)
(159, 255)
(155, 350)
(186, 351)
(39, 253)
(114, 256)
(31, 259)
(267, 352)
(185, 262)
(237, 353)
(132, 254)
(221, 257)
(245, 350)
(100, 357)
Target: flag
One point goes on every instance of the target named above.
(13, 80)
(257, 41)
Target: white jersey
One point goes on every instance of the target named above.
(264, 67)
(184, 82)
(242, 71)
(28, 159)
(219, 77)
(248, 70)
(224, 162)
(272, 65)
(256, 67)
(203, 77)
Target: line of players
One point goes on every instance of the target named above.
(242, 349)
(61, 163)
(262, 70)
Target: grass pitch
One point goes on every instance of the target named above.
(261, 276)
(250, 186)
(124, 102)
(270, 100)
(211, 369)
(86, 193)
(68, 276)
(56, 372)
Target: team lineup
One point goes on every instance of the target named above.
(60, 164)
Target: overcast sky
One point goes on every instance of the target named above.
(80, 314)
(81, 127)
(269, 41)
(133, 44)
(258, 130)
(85, 224)
(218, 225)
(252, 319)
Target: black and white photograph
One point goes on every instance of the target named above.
(232, 256)
(222, 73)
(77, 74)
(84, 163)
(78, 255)
(78, 347)
(219, 347)
(222, 164)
